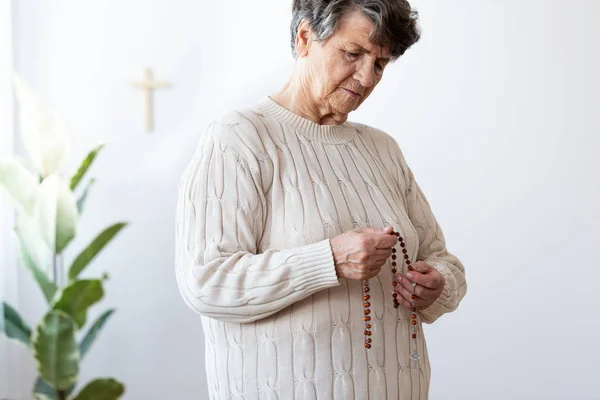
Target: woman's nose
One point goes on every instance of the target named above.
(365, 75)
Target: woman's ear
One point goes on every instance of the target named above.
(303, 39)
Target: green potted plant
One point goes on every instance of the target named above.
(47, 216)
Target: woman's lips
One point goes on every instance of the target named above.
(351, 92)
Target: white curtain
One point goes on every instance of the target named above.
(9, 363)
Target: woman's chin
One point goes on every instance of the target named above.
(345, 106)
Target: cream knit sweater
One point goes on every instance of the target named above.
(262, 195)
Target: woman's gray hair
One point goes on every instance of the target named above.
(395, 21)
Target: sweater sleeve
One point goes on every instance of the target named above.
(221, 213)
(432, 247)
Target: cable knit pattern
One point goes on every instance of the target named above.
(264, 192)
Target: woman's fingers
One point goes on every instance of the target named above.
(405, 303)
(403, 297)
(385, 241)
(384, 254)
(408, 296)
(418, 290)
(405, 293)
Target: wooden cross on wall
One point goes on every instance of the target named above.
(148, 85)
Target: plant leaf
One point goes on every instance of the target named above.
(43, 396)
(39, 252)
(43, 129)
(77, 297)
(101, 389)
(87, 255)
(44, 391)
(48, 287)
(55, 349)
(41, 387)
(67, 217)
(56, 213)
(13, 326)
(93, 332)
(85, 164)
(20, 183)
(82, 199)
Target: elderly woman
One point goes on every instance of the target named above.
(303, 239)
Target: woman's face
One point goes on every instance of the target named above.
(344, 70)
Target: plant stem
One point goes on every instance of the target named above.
(61, 394)
(54, 269)
(58, 271)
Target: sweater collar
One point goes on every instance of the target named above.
(330, 134)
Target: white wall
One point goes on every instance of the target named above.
(496, 110)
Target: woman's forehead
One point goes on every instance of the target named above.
(355, 29)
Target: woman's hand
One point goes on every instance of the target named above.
(360, 253)
(429, 285)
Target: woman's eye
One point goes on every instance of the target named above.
(352, 55)
(378, 67)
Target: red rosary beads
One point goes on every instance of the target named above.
(367, 304)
